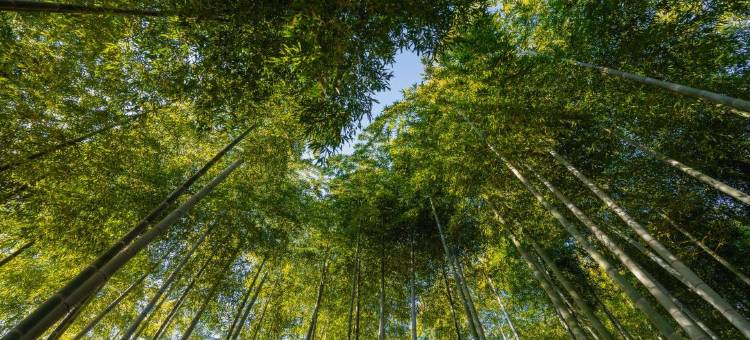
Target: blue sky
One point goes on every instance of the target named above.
(407, 71)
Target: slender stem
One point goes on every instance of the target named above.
(696, 283)
(53, 308)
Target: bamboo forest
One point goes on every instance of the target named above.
(176, 169)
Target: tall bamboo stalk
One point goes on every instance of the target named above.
(452, 263)
(661, 324)
(658, 260)
(412, 293)
(40, 321)
(502, 307)
(249, 308)
(557, 302)
(245, 299)
(381, 302)
(469, 300)
(166, 285)
(708, 250)
(265, 306)
(71, 142)
(582, 305)
(207, 299)
(48, 312)
(696, 283)
(110, 307)
(723, 99)
(692, 172)
(661, 295)
(355, 268)
(321, 288)
(180, 301)
(71, 317)
(451, 303)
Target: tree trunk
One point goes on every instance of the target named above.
(612, 318)
(574, 320)
(654, 287)
(110, 307)
(41, 319)
(736, 103)
(265, 306)
(357, 306)
(167, 285)
(354, 288)
(451, 303)
(451, 262)
(412, 292)
(245, 298)
(469, 299)
(211, 294)
(710, 181)
(71, 317)
(708, 250)
(16, 253)
(381, 304)
(661, 324)
(46, 315)
(63, 145)
(241, 324)
(50, 7)
(557, 302)
(582, 305)
(321, 288)
(502, 307)
(658, 260)
(179, 302)
(697, 284)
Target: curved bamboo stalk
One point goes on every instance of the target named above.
(39, 323)
(55, 302)
(696, 283)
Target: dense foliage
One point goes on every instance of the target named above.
(105, 113)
